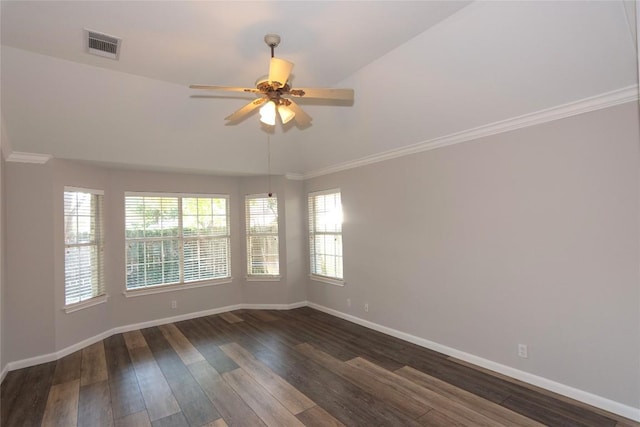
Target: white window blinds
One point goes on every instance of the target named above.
(261, 213)
(325, 234)
(176, 239)
(206, 236)
(83, 238)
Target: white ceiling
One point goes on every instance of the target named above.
(420, 70)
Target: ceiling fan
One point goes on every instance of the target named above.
(274, 93)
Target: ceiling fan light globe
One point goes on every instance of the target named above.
(286, 114)
(268, 113)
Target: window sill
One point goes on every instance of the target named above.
(263, 278)
(130, 293)
(329, 280)
(85, 304)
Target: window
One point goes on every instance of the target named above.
(83, 269)
(325, 235)
(261, 214)
(175, 240)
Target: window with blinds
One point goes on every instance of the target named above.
(176, 239)
(263, 255)
(325, 234)
(83, 239)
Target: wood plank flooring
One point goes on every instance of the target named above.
(298, 367)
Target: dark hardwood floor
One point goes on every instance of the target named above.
(275, 368)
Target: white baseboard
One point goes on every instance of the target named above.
(24, 363)
(565, 390)
(274, 306)
(3, 374)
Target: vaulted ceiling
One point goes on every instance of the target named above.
(423, 72)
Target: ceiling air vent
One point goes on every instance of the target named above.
(102, 44)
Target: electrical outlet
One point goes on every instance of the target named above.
(366, 307)
(348, 302)
(174, 304)
(523, 350)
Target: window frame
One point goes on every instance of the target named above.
(313, 232)
(181, 240)
(257, 277)
(99, 292)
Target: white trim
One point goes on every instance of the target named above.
(159, 289)
(260, 196)
(325, 279)
(24, 363)
(294, 176)
(598, 102)
(20, 157)
(265, 278)
(323, 192)
(6, 148)
(565, 390)
(4, 373)
(101, 299)
(169, 194)
(274, 306)
(71, 189)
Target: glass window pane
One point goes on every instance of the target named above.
(325, 238)
(83, 246)
(262, 235)
(169, 231)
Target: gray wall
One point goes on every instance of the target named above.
(529, 236)
(29, 287)
(525, 237)
(35, 260)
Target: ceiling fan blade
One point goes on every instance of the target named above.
(244, 111)
(302, 118)
(225, 88)
(323, 93)
(279, 71)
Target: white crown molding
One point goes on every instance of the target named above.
(20, 157)
(574, 393)
(294, 176)
(598, 102)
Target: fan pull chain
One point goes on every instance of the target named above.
(269, 163)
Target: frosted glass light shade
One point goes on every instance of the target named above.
(286, 114)
(268, 113)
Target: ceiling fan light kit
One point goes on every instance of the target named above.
(274, 93)
(268, 113)
(286, 114)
